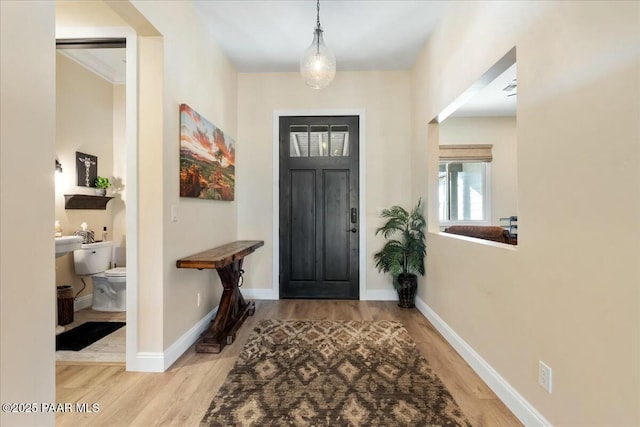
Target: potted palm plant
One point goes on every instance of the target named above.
(403, 253)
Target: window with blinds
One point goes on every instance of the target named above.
(477, 153)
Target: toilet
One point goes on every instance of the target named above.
(109, 285)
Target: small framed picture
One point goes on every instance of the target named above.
(86, 169)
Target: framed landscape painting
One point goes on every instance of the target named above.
(207, 158)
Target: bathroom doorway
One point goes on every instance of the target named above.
(91, 114)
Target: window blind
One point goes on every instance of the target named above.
(479, 153)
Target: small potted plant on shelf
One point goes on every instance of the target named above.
(403, 253)
(102, 183)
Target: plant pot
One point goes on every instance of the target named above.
(101, 192)
(407, 287)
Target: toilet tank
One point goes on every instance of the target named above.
(92, 258)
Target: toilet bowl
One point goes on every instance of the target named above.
(110, 290)
(109, 285)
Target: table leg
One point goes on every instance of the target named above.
(232, 311)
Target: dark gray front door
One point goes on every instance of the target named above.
(319, 207)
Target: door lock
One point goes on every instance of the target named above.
(353, 230)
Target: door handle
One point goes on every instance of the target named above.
(353, 230)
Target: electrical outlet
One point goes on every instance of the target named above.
(545, 376)
(174, 213)
(199, 299)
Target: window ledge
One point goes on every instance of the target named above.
(445, 224)
(477, 240)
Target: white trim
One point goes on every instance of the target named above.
(380, 295)
(132, 172)
(146, 361)
(263, 294)
(182, 344)
(83, 302)
(520, 407)
(131, 214)
(275, 193)
(94, 64)
(161, 361)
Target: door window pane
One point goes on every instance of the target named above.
(298, 141)
(319, 141)
(339, 141)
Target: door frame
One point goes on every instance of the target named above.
(362, 261)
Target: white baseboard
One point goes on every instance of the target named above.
(148, 362)
(379, 295)
(83, 302)
(161, 361)
(181, 345)
(520, 407)
(249, 293)
(369, 295)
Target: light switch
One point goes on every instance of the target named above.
(174, 213)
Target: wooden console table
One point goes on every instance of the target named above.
(227, 260)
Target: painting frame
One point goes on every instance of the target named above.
(86, 169)
(207, 158)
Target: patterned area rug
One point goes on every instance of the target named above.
(332, 373)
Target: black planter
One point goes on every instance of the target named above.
(407, 287)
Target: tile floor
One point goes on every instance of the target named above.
(110, 349)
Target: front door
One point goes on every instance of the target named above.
(319, 207)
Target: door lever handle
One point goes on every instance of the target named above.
(353, 230)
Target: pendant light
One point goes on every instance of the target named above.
(317, 64)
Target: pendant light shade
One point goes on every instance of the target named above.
(318, 63)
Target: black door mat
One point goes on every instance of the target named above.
(86, 334)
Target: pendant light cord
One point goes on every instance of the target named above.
(318, 27)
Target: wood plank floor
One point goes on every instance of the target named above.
(180, 396)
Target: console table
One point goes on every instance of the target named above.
(233, 309)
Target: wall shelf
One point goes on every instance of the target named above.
(85, 201)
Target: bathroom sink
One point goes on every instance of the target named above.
(66, 244)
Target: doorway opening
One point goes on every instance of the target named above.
(91, 110)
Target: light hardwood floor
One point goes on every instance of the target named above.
(180, 396)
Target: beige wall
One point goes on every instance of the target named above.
(196, 72)
(27, 269)
(83, 13)
(569, 294)
(501, 133)
(383, 96)
(84, 122)
(150, 195)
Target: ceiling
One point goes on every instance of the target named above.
(266, 36)
(108, 63)
(498, 98)
(270, 35)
